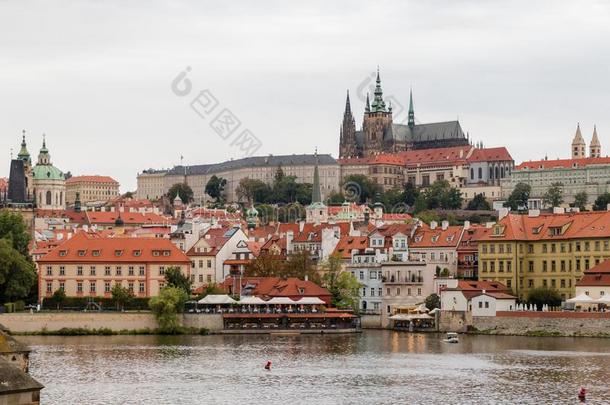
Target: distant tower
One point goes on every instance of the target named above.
(578, 145)
(317, 211)
(595, 148)
(377, 124)
(347, 143)
(411, 121)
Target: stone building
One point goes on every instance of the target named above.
(49, 182)
(91, 189)
(578, 174)
(379, 133)
(261, 168)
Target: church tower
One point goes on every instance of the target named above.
(578, 145)
(347, 142)
(595, 148)
(377, 123)
(24, 155)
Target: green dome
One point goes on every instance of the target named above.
(252, 212)
(47, 172)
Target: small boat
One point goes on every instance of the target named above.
(451, 337)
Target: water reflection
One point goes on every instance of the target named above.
(377, 367)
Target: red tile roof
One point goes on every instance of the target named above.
(426, 157)
(129, 218)
(562, 163)
(490, 155)
(269, 287)
(572, 225)
(91, 179)
(89, 248)
(596, 276)
(429, 238)
(382, 159)
(348, 243)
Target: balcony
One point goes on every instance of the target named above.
(403, 280)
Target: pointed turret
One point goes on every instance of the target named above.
(347, 138)
(578, 145)
(411, 121)
(316, 195)
(23, 152)
(348, 107)
(43, 156)
(595, 148)
(378, 104)
(367, 105)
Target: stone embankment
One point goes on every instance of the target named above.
(529, 323)
(114, 321)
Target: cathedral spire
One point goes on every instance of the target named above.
(367, 106)
(595, 148)
(378, 104)
(316, 195)
(23, 152)
(348, 107)
(411, 121)
(578, 144)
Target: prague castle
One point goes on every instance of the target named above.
(579, 147)
(380, 134)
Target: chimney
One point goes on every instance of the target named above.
(433, 224)
(444, 225)
(466, 225)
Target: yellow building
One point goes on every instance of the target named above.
(91, 189)
(549, 250)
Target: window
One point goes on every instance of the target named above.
(530, 248)
(397, 291)
(92, 286)
(49, 287)
(587, 246)
(95, 253)
(486, 304)
(130, 270)
(544, 283)
(379, 291)
(209, 278)
(562, 283)
(480, 304)
(492, 266)
(361, 275)
(372, 292)
(107, 286)
(563, 265)
(530, 283)
(107, 270)
(484, 267)
(577, 265)
(141, 287)
(119, 271)
(586, 264)
(81, 253)
(553, 266)
(62, 271)
(49, 271)
(142, 270)
(118, 253)
(577, 246)
(544, 266)
(419, 291)
(161, 270)
(597, 246)
(137, 253)
(130, 286)
(509, 283)
(544, 248)
(79, 287)
(553, 248)
(79, 270)
(166, 253)
(209, 264)
(501, 266)
(509, 266)
(373, 275)
(387, 292)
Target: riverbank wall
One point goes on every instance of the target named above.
(528, 323)
(115, 321)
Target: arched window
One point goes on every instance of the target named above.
(497, 172)
(502, 172)
(61, 198)
(48, 199)
(491, 172)
(471, 174)
(480, 172)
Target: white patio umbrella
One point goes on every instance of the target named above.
(581, 299)
(604, 299)
(310, 301)
(250, 300)
(217, 299)
(281, 301)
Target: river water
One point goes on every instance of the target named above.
(375, 367)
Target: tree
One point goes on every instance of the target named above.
(518, 198)
(392, 199)
(441, 195)
(343, 286)
(335, 198)
(290, 213)
(59, 296)
(183, 190)
(128, 194)
(17, 272)
(215, 188)
(580, 200)
(175, 278)
(554, 195)
(265, 265)
(121, 296)
(359, 188)
(540, 296)
(166, 306)
(253, 191)
(285, 189)
(410, 194)
(300, 265)
(211, 288)
(433, 301)
(601, 203)
(478, 203)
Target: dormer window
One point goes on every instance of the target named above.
(156, 253)
(166, 253)
(118, 253)
(81, 253)
(63, 253)
(137, 253)
(301, 290)
(450, 238)
(537, 230)
(418, 238)
(95, 253)
(435, 238)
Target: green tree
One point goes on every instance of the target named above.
(285, 190)
(211, 288)
(166, 306)
(175, 278)
(433, 301)
(580, 200)
(59, 296)
(129, 194)
(360, 188)
(393, 198)
(17, 271)
(441, 195)
(601, 202)
(265, 265)
(300, 265)
(420, 204)
(554, 195)
(215, 188)
(121, 296)
(478, 203)
(303, 193)
(429, 216)
(410, 194)
(253, 191)
(343, 286)
(335, 198)
(540, 296)
(290, 212)
(518, 198)
(183, 190)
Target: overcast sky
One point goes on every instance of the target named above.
(96, 76)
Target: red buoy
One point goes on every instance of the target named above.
(582, 394)
(268, 366)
